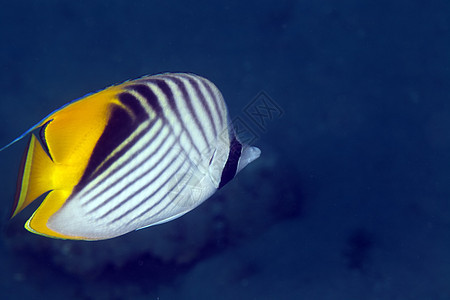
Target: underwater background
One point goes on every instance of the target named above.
(349, 102)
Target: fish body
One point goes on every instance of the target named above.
(133, 155)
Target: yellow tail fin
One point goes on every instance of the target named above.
(35, 176)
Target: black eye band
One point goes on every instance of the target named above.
(229, 171)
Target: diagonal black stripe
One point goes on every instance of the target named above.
(146, 92)
(150, 196)
(120, 125)
(134, 105)
(188, 100)
(149, 96)
(145, 173)
(124, 163)
(202, 99)
(132, 195)
(212, 95)
(180, 192)
(168, 92)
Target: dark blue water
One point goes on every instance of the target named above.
(348, 100)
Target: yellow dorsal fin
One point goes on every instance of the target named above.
(72, 132)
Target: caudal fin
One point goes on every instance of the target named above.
(35, 176)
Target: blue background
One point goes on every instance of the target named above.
(350, 198)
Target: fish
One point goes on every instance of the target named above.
(130, 156)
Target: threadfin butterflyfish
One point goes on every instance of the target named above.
(130, 156)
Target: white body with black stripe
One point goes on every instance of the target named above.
(165, 147)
